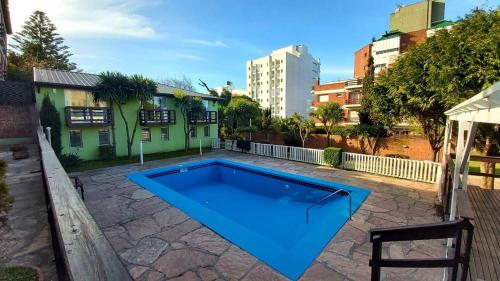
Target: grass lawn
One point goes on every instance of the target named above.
(123, 160)
(474, 167)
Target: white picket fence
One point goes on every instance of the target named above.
(425, 171)
(308, 155)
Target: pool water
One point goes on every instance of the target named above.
(262, 211)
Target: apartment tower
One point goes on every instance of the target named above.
(283, 80)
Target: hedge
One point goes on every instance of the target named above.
(333, 156)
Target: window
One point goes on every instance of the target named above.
(81, 98)
(193, 132)
(323, 98)
(103, 136)
(164, 134)
(206, 131)
(157, 102)
(146, 135)
(75, 138)
(205, 104)
(339, 95)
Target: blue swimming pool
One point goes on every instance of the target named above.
(283, 219)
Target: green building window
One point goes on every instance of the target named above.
(146, 135)
(164, 134)
(193, 132)
(206, 130)
(103, 137)
(75, 138)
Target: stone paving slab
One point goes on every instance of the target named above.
(25, 238)
(156, 241)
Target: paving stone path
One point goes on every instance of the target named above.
(156, 241)
(25, 238)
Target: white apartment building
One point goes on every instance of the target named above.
(283, 80)
(386, 50)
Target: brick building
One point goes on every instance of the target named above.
(347, 93)
(409, 25)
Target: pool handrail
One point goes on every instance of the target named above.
(328, 196)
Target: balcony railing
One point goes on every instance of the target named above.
(78, 116)
(353, 100)
(209, 117)
(355, 82)
(157, 116)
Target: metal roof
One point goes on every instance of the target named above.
(71, 79)
(64, 78)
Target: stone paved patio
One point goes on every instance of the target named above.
(25, 238)
(156, 241)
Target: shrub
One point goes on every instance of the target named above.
(6, 199)
(395, 155)
(333, 156)
(18, 273)
(49, 117)
(106, 152)
(70, 160)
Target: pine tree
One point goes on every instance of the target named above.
(39, 45)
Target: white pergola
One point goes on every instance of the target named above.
(481, 108)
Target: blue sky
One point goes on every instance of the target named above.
(212, 40)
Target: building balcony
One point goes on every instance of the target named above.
(79, 116)
(355, 83)
(150, 117)
(210, 117)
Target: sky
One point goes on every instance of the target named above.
(211, 40)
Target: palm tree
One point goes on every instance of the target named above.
(117, 89)
(189, 106)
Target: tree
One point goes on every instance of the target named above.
(239, 111)
(328, 114)
(305, 125)
(266, 121)
(448, 68)
(49, 117)
(38, 45)
(183, 83)
(211, 92)
(118, 89)
(378, 113)
(487, 142)
(190, 106)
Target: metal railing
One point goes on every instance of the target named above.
(328, 196)
(79, 116)
(209, 117)
(157, 116)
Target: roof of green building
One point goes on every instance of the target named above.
(390, 34)
(80, 80)
(441, 24)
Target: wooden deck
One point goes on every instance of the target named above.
(485, 257)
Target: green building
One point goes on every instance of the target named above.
(417, 16)
(86, 125)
